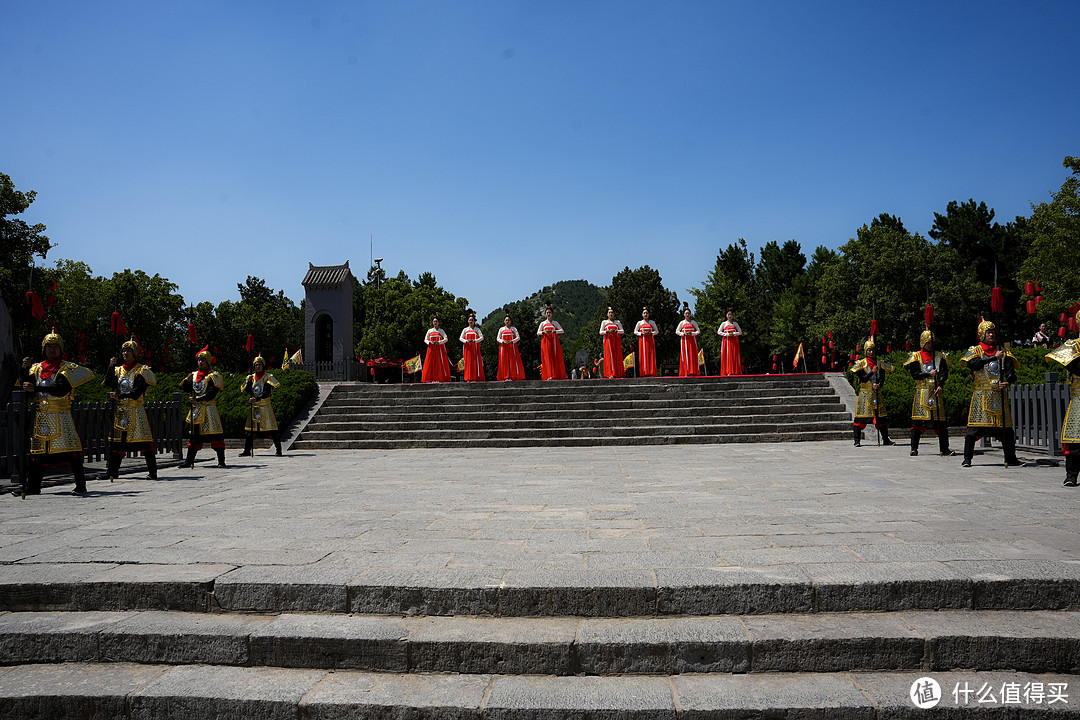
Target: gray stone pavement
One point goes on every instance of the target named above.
(629, 518)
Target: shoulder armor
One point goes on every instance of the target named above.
(1065, 354)
(860, 365)
(76, 374)
(886, 366)
(913, 357)
(147, 374)
(971, 354)
(218, 380)
(272, 381)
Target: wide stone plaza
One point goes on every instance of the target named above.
(573, 544)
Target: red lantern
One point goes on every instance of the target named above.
(830, 334)
(1064, 317)
(1061, 331)
(831, 346)
(997, 301)
(1072, 325)
(1029, 288)
(888, 349)
(823, 360)
(928, 315)
(213, 359)
(1030, 304)
(191, 334)
(1038, 299)
(907, 346)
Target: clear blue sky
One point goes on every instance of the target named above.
(506, 145)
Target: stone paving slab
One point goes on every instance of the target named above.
(593, 531)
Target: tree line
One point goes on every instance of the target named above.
(780, 298)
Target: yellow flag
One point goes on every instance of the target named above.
(700, 357)
(628, 361)
(461, 365)
(285, 359)
(412, 365)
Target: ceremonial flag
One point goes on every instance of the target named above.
(284, 358)
(700, 357)
(799, 355)
(628, 361)
(412, 365)
(461, 364)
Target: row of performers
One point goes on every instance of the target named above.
(436, 365)
(993, 369)
(54, 439)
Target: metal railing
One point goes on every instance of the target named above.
(1037, 413)
(329, 369)
(93, 421)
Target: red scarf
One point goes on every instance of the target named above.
(927, 357)
(199, 375)
(870, 364)
(48, 368)
(129, 367)
(258, 376)
(988, 349)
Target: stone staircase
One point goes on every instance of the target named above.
(247, 644)
(579, 413)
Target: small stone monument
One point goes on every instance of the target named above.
(328, 321)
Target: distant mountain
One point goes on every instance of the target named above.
(573, 303)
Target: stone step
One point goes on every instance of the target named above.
(931, 641)
(757, 382)
(625, 405)
(164, 692)
(451, 440)
(628, 424)
(639, 591)
(415, 394)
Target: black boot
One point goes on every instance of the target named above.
(189, 461)
(31, 484)
(1072, 465)
(1008, 447)
(915, 435)
(78, 474)
(858, 437)
(151, 464)
(249, 443)
(943, 443)
(969, 450)
(883, 431)
(277, 446)
(112, 469)
(220, 457)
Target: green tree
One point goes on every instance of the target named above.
(1053, 232)
(20, 243)
(629, 292)
(729, 285)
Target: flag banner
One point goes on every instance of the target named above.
(628, 361)
(799, 354)
(412, 365)
(700, 357)
(460, 365)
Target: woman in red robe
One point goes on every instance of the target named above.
(730, 356)
(436, 362)
(688, 331)
(473, 364)
(552, 364)
(612, 330)
(510, 367)
(646, 331)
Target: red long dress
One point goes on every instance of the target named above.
(510, 367)
(688, 360)
(471, 359)
(730, 356)
(646, 330)
(611, 330)
(552, 364)
(436, 361)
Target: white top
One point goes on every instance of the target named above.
(477, 335)
(688, 327)
(642, 324)
(508, 335)
(606, 326)
(435, 337)
(729, 328)
(549, 323)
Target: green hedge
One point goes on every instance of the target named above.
(899, 388)
(297, 388)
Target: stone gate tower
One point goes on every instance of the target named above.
(328, 319)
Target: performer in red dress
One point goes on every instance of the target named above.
(510, 367)
(552, 363)
(471, 337)
(730, 356)
(611, 330)
(646, 331)
(688, 331)
(436, 362)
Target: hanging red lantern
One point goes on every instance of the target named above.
(1029, 288)
(168, 341)
(1064, 317)
(823, 360)
(1072, 324)
(191, 334)
(1030, 304)
(1061, 331)
(907, 346)
(831, 346)
(830, 334)
(997, 301)
(888, 349)
(1038, 299)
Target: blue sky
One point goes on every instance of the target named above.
(506, 145)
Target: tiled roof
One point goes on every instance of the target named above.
(327, 276)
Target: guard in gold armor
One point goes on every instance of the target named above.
(930, 370)
(1069, 356)
(993, 370)
(128, 383)
(869, 374)
(203, 420)
(261, 421)
(54, 439)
